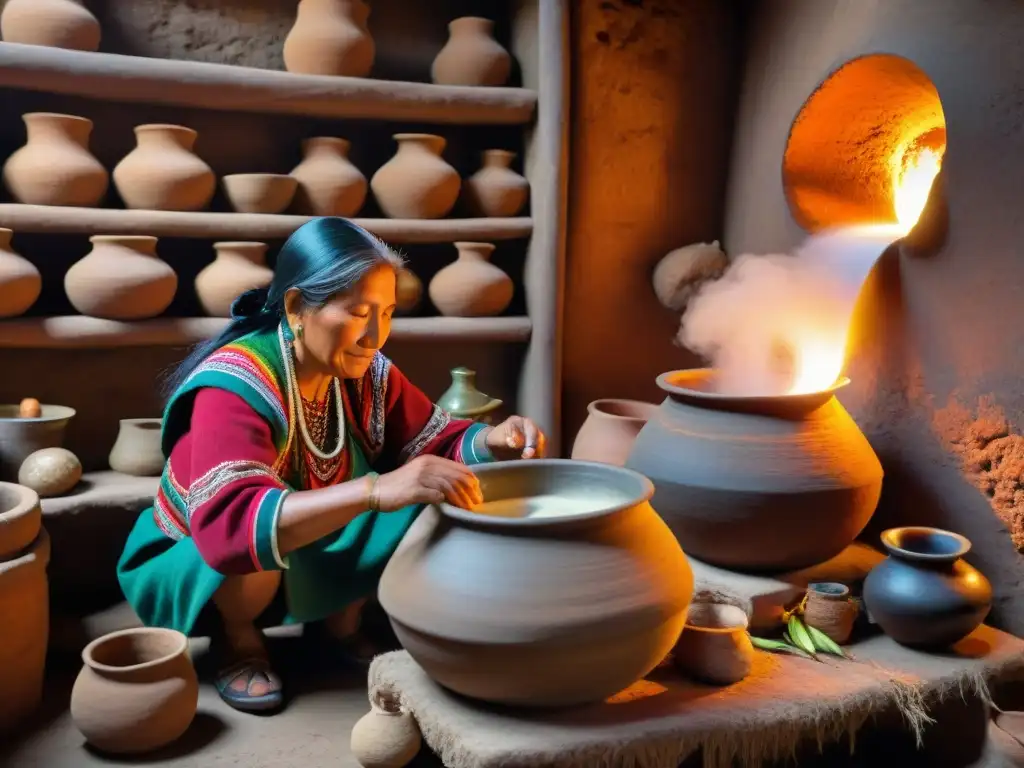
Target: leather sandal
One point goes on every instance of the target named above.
(250, 670)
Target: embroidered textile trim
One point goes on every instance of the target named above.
(212, 482)
(436, 424)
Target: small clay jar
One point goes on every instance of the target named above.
(329, 184)
(54, 23)
(20, 281)
(55, 166)
(259, 192)
(830, 609)
(137, 450)
(714, 647)
(163, 173)
(416, 183)
(610, 430)
(471, 56)
(471, 286)
(495, 189)
(121, 278)
(409, 290)
(330, 37)
(137, 690)
(237, 268)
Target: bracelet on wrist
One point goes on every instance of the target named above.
(373, 497)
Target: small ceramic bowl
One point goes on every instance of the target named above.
(259, 192)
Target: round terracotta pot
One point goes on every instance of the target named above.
(25, 619)
(20, 518)
(54, 23)
(757, 483)
(471, 286)
(330, 37)
(714, 647)
(20, 281)
(409, 290)
(259, 192)
(163, 173)
(238, 267)
(55, 166)
(924, 594)
(137, 690)
(416, 183)
(121, 278)
(471, 56)
(21, 436)
(610, 430)
(495, 189)
(563, 588)
(329, 184)
(137, 449)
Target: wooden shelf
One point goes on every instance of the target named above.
(81, 332)
(114, 77)
(236, 226)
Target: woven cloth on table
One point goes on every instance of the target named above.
(660, 721)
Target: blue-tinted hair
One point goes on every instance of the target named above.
(324, 257)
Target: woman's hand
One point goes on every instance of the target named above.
(428, 480)
(516, 438)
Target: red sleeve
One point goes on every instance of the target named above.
(234, 494)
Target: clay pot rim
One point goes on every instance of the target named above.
(728, 610)
(482, 21)
(644, 492)
(27, 500)
(181, 647)
(594, 408)
(240, 243)
(893, 540)
(337, 140)
(63, 116)
(140, 239)
(471, 245)
(50, 414)
(430, 138)
(142, 420)
(170, 127)
(271, 177)
(829, 590)
(671, 382)
(509, 153)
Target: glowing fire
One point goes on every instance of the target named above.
(912, 182)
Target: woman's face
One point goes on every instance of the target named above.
(341, 337)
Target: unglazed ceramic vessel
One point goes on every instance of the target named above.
(416, 183)
(20, 436)
(471, 56)
(409, 290)
(329, 184)
(495, 189)
(163, 173)
(20, 518)
(610, 430)
(20, 281)
(563, 588)
(25, 622)
(330, 37)
(925, 594)
(757, 483)
(137, 449)
(54, 23)
(238, 267)
(121, 278)
(471, 286)
(55, 166)
(137, 690)
(714, 647)
(259, 192)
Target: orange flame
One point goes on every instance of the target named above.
(913, 176)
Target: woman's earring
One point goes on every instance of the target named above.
(298, 331)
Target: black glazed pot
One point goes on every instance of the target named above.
(924, 594)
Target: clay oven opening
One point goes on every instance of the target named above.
(866, 146)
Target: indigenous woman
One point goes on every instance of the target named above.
(299, 455)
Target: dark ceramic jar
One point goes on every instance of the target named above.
(924, 594)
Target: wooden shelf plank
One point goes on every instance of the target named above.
(81, 332)
(255, 226)
(115, 77)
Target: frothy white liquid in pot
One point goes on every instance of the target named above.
(547, 505)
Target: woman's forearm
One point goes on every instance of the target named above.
(310, 515)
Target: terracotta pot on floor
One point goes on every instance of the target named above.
(610, 430)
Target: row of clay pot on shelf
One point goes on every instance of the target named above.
(123, 278)
(164, 173)
(328, 38)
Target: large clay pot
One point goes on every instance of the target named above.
(562, 588)
(924, 594)
(54, 23)
(238, 267)
(496, 190)
(20, 281)
(416, 183)
(330, 37)
(137, 449)
(471, 56)
(610, 430)
(20, 518)
(137, 691)
(20, 436)
(757, 483)
(121, 278)
(471, 286)
(25, 622)
(163, 173)
(55, 166)
(329, 184)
